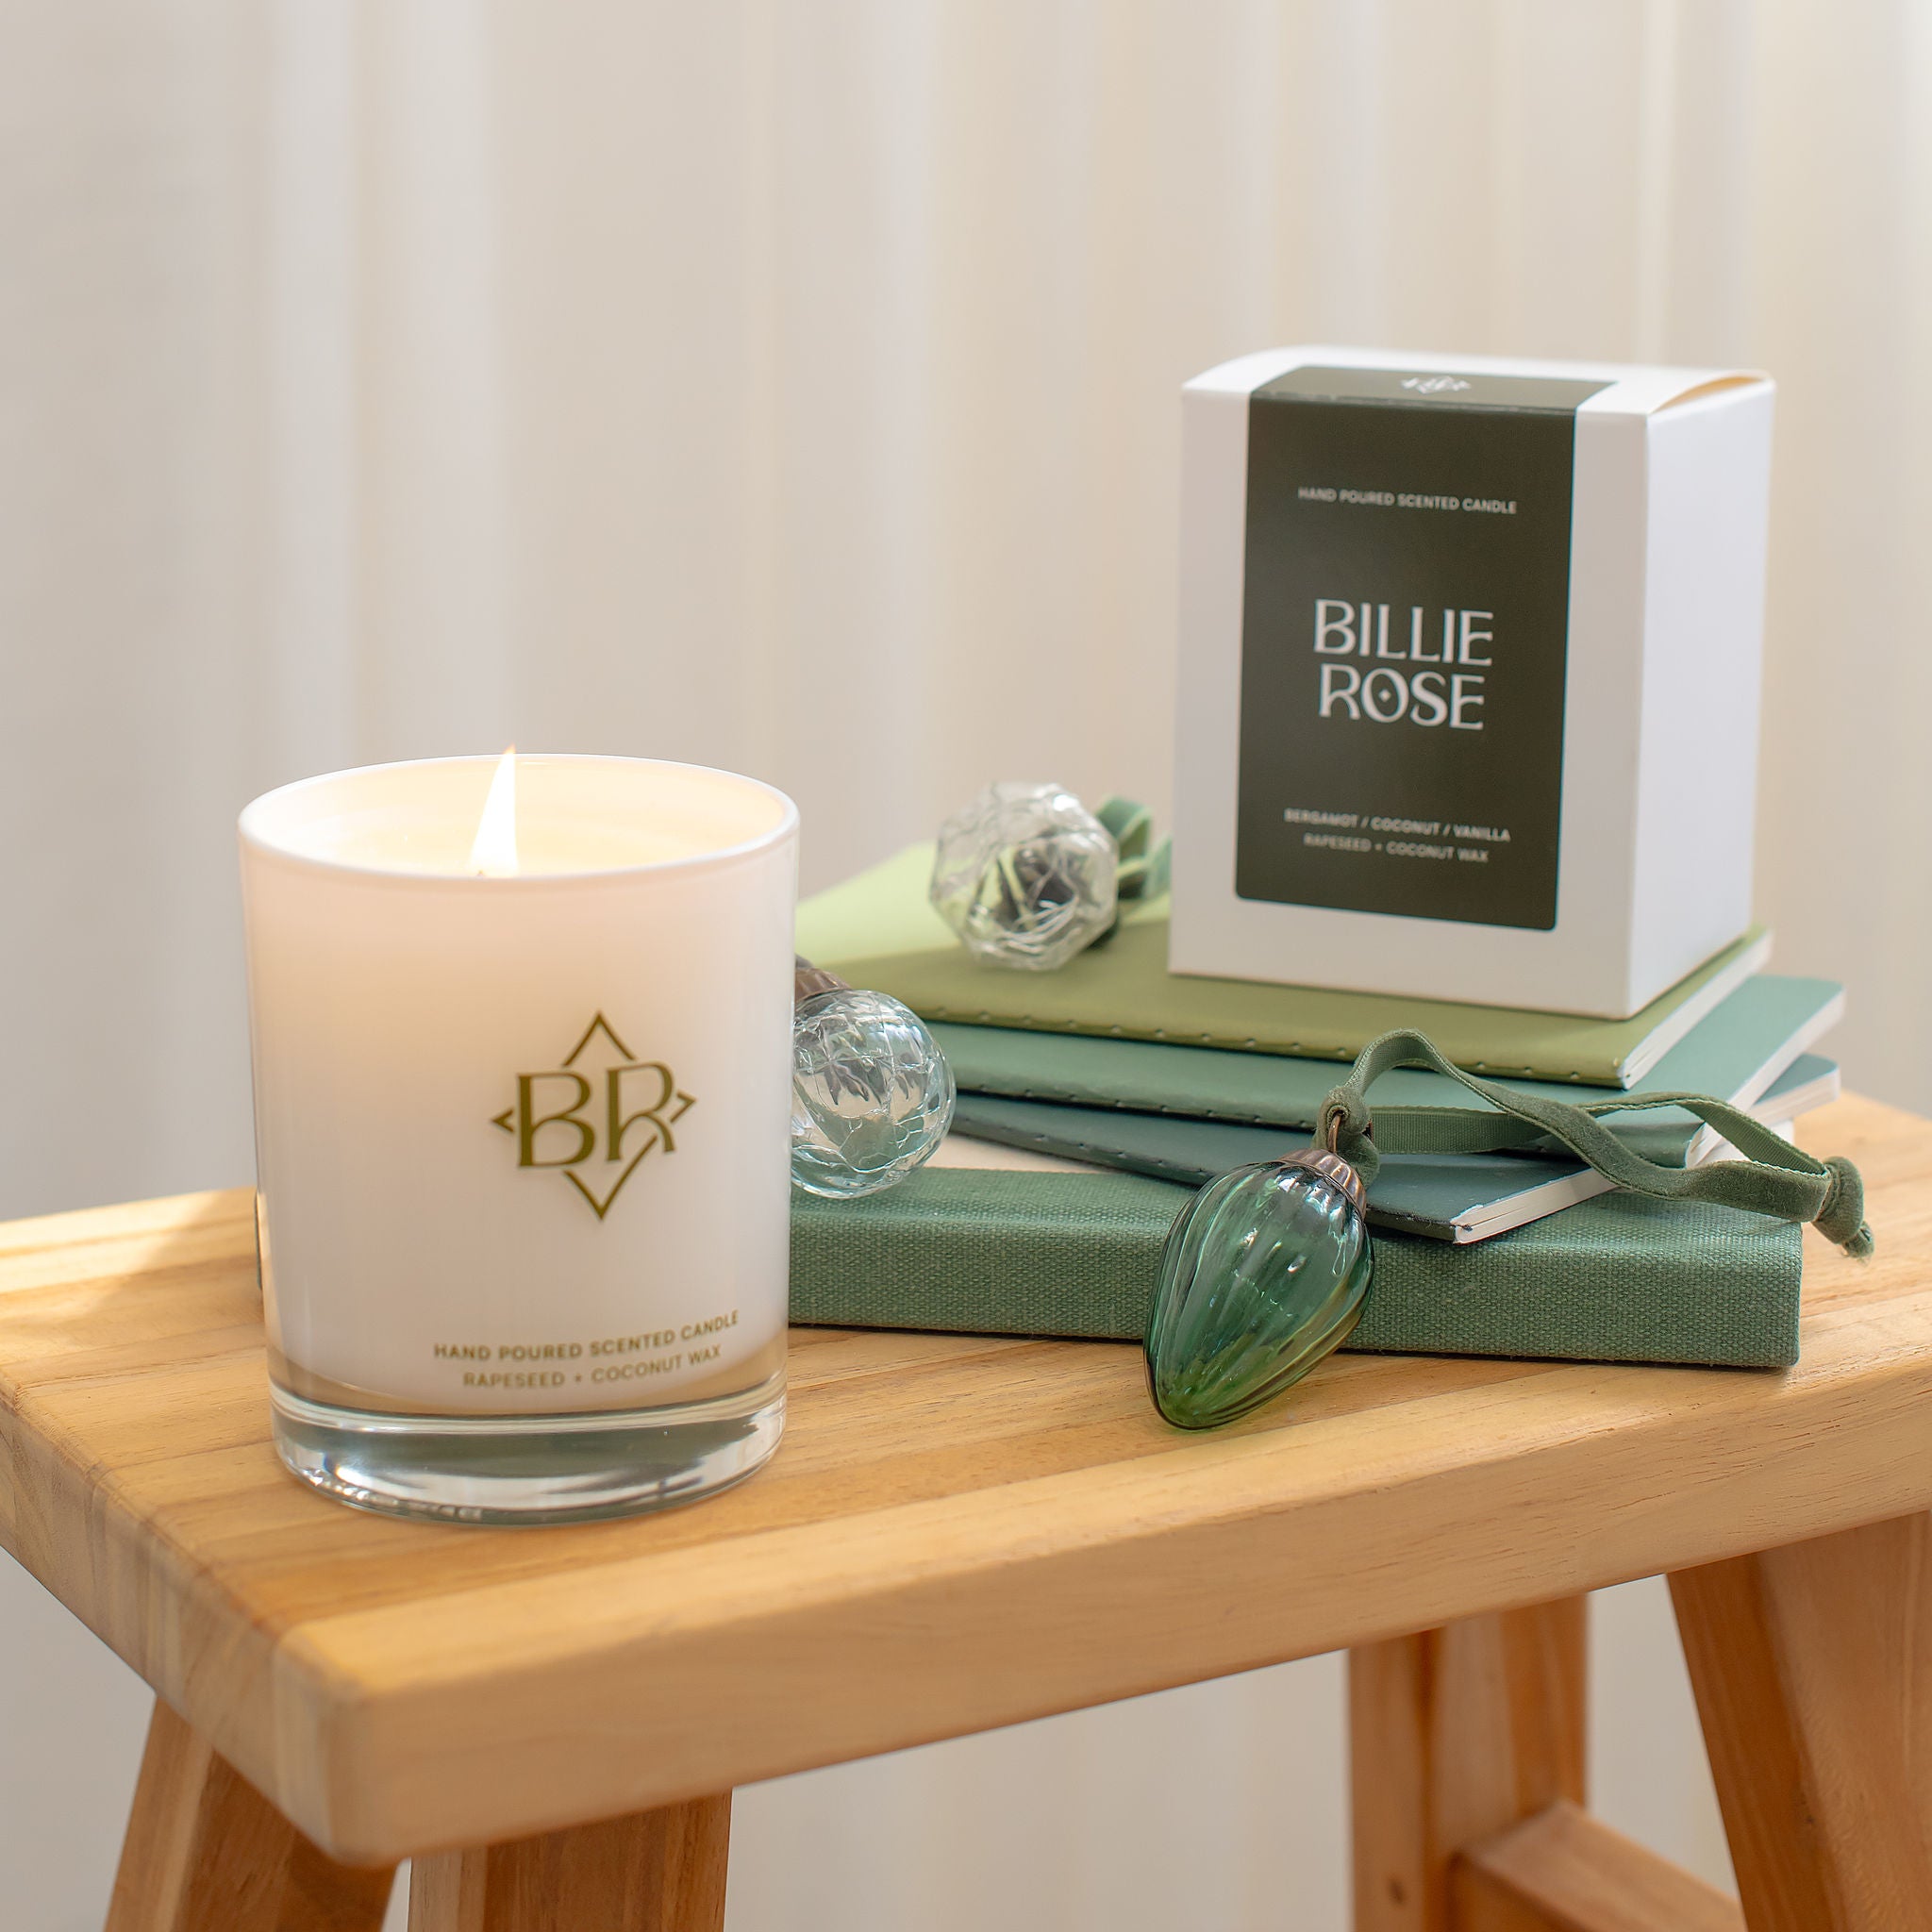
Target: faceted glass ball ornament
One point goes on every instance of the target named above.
(1027, 876)
(872, 1095)
(1264, 1274)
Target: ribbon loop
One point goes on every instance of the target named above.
(1345, 1127)
(1774, 1178)
(1842, 1219)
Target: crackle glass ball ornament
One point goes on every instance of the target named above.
(1264, 1275)
(872, 1095)
(1027, 876)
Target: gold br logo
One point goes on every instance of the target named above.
(639, 1096)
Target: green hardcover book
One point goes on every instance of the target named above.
(1450, 1197)
(877, 930)
(1619, 1278)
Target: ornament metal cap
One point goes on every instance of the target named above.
(1340, 1175)
(808, 981)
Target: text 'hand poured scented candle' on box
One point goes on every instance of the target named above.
(1469, 675)
(522, 1044)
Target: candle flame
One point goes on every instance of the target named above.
(495, 854)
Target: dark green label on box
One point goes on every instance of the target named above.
(1403, 635)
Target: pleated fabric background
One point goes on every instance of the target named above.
(793, 387)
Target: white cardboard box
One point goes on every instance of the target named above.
(1468, 679)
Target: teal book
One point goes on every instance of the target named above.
(1454, 1197)
(1620, 1279)
(1735, 1054)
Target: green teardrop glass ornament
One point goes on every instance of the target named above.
(1264, 1274)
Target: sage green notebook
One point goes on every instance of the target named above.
(1618, 1278)
(1449, 1197)
(1735, 1054)
(878, 930)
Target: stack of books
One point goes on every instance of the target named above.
(1093, 1098)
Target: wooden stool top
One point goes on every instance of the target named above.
(957, 1532)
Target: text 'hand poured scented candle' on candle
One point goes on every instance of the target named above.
(521, 1036)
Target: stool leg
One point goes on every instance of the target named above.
(1455, 1735)
(1812, 1667)
(205, 1851)
(654, 1872)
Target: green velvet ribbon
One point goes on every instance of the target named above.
(1143, 866)
(1775, 1179)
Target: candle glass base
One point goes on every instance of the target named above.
(524, 1469)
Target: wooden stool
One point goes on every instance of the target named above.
(961, 1533)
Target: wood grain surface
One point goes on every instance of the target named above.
(1563, 1871)
(1455, 1735)
(205, 1851)
(1812, 1667)
(957, 1533)
(654, 1872)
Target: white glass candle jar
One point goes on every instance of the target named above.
(522, 1125)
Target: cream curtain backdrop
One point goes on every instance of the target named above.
(792, 386)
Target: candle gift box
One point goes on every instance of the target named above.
(1469, 664)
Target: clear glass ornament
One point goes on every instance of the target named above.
(872, 1095)
(1264, 1274)
(1027, 876)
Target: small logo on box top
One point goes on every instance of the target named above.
(1433, 385)
(561, 1121)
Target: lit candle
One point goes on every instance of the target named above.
(521, 1042)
